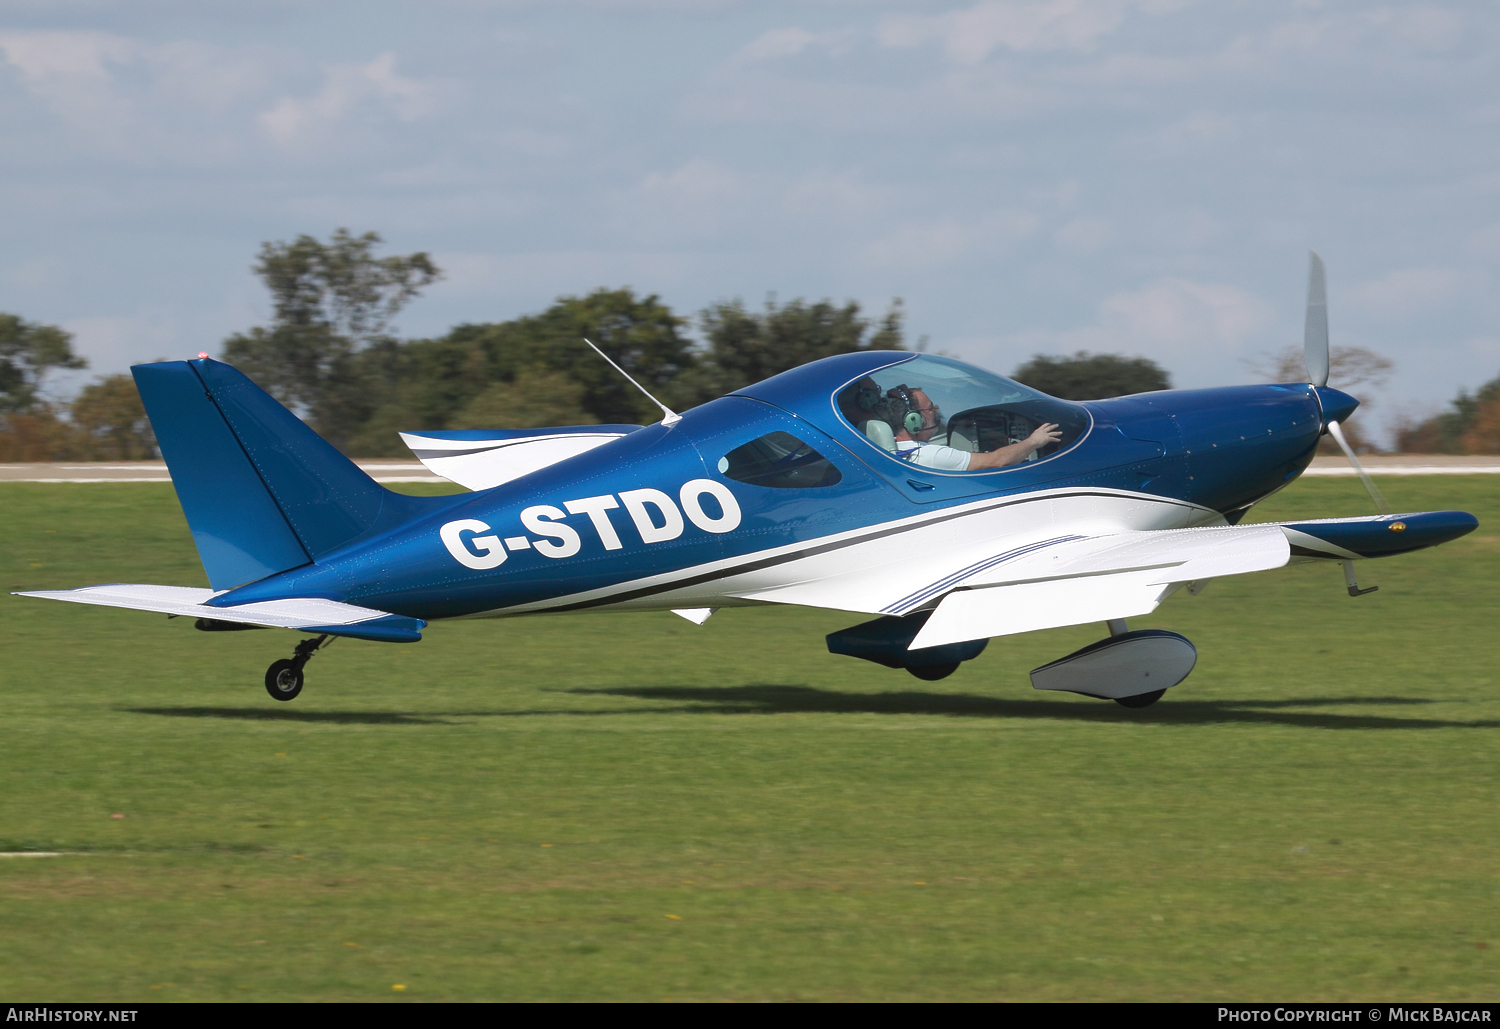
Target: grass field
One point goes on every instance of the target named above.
(631, 807)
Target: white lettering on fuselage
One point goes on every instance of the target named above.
(487, 551)
(636, 502)
(595, 507)
(657, 518)
(693, 491)
(545, 520)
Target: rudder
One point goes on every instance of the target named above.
(261, 491)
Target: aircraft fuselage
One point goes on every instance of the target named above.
(648, 521)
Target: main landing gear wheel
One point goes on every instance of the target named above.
(284, 678)
(1140, 699)
(932, 673)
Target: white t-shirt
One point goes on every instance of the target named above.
(933, 455)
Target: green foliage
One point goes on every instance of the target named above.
(1453, 431)
(111, 423)
(743, 347)
(537, 398)
(1086, 376)
(530, 372)
(341, 284)
(331, 301)
(327, 354)
(28, 351)
(513, 809)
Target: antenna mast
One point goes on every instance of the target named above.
(669, 417)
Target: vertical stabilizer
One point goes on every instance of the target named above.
(262, 492)
(240, 531)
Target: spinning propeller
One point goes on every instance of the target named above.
(1315, 349)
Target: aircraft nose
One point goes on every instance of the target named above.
(1337, 405)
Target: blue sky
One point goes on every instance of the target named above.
(1137, 176)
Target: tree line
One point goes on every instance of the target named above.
(330, 354)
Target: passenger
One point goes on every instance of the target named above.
(915, 419)
(862, 403)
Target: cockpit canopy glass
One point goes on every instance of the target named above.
(926, 409)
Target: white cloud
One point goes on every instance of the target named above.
(1195, 330)
(842, 197)
(941, 241)
(969, 36)
(44, 57)
(347, 89)
(777, 43)
(1180, 313)
(541, 276)
(1083, 236)
(1409, 291)
(695, 200)
(72, 73)
(128, 98)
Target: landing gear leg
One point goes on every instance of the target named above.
(284, 678)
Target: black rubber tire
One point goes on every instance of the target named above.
(1140, 699)
(932, 673)
(283, 680)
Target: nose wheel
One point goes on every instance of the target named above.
(284, 678)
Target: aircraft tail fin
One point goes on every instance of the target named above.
(261, 490)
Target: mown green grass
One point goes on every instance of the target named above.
(628, 806)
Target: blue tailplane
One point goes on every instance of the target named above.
(261, 491)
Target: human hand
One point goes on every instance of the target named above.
(1047, 433)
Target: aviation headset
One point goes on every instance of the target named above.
(867, 398)
(911, 418)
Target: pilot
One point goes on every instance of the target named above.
(915, 419)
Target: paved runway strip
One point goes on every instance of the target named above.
(156, 471)
(388, 470)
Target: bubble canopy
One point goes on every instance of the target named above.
(951, 404)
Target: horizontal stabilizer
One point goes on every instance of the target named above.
(484, 458)
(309, 614)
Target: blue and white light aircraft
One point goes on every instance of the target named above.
(951, 504)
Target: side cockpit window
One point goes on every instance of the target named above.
(781, 461)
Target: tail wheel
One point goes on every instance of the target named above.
(1140, 699)
(284, 679)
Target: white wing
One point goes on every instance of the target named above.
(1036, 581)
(1097, 579)
(483, 463)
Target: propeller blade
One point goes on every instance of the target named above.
(1315, 331)
(1338, 435)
